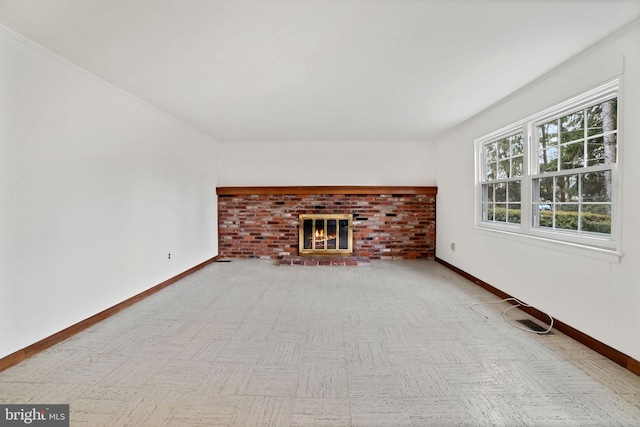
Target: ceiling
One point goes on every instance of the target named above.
(318, 70)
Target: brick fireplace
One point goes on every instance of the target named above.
(387, 222)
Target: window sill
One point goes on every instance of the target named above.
(602, 254)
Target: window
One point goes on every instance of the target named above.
(503, 179)
(554, 174)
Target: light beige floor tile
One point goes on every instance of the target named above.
(465, 380)
(559, 410)
(226, 378)
(293, 317)
(263, 411)
(205, 411)
(229, 316)
(219, 330)
(495, 410)
(398, 332)
(262, 316)
(241, 352)
(409, 352)
(609, 374)
(325, 333)
(438, 411)
(37, 393)
(179, 375)
(185, 328)
(103, 405)
(366, 354)
(324, 354)
(633, 398)
(150, 408)
(209, 350)
(273, 381)
(421, 381)
(134, 372)
(361, 333)
(325, 318)
(289, 333)
(322, 381)
(88, 368)
(167, 347)
(374, 381)
(379, 412)
(282, 354)
(603, 409)
(327, 412)
(252, 332)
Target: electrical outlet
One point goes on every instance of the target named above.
(169, 255)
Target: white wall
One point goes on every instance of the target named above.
(596, 295)
(95, 189)
(328, 163)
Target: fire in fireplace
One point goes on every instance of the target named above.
(325, 234)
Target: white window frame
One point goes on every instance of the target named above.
(603, 243)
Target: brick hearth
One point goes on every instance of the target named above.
(332, 260)
(388, 222)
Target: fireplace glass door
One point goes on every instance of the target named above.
(325, 234)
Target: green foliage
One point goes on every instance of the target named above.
(501, 215)
(591, 222)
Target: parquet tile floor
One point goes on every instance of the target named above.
(249, 343)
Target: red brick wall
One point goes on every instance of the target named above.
(385, 226)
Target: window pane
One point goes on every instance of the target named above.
(567, 188)
(602, 117)
(490, 152)
(487, 212)
(572, 127)
(491, 171)
(513, 213)
(546, 190)
(596, 187)
(596, 219)
(503, 148)
(546, 218)
(572, 155)
(595, 151)
(549, 160)
(513, 189)
(516, 145)
(602, 150)
(567, 216)
(501, 192)
(547, 135)
(503, 169)
(487, 191)
(516, 166)
(500, 213)
(594, 120)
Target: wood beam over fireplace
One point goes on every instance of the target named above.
(346, 189)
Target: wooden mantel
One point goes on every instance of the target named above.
(234, 191)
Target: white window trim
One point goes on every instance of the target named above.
(607, 247)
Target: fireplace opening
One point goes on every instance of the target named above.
(325, 234)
